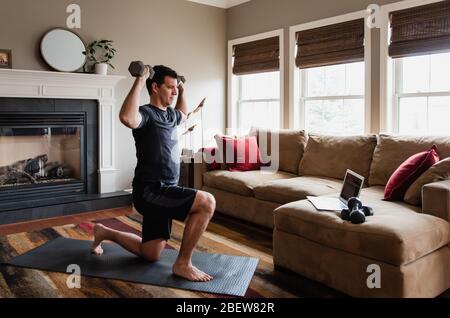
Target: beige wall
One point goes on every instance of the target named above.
(187, 36)
(259, 16)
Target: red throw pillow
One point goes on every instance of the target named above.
(246, 155)
(211, 153)
(408, 172)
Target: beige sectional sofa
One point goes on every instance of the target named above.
(409, 244)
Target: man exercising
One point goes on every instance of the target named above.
(156, 194)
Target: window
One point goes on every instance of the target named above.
(329, 82)
(255, 82)
(332, 98)
(259, 100)
(422, 94)
(415, 90)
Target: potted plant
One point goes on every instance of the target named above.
(100, 53)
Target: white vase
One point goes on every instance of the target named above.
(101, 68)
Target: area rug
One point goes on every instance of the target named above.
(22, 282)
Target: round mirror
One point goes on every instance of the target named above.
(63, 50)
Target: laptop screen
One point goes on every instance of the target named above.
(352, 185)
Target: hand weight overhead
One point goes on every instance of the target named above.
(137, 68)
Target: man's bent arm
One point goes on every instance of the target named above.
(181, 102)
(129, 113)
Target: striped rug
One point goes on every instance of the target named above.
(20, 282)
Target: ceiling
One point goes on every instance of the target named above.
(221, 3)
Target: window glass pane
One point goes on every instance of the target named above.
(261, 86)
(413, 115)
(354, 78)
(315, 116)
(315, 81)
(439, 115)
(339, 117)
(334, 80)
(260, 114)
(440, 72)
(343, 116)
(416, 74)
(354, 116)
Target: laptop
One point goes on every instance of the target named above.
(351, 187)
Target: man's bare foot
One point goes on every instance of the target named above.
(190, 272)
(99, 236)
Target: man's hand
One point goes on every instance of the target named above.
(143, 79)
(180, 88)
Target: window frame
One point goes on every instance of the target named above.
(303, 99)
(398, 94)
(297, 118)
(391, 70)
(241, 101)
(234, 82)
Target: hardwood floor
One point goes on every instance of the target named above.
(70, 219)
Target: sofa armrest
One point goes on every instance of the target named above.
(200, 167)
(436, 199)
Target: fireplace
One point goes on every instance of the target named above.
(57, 144)
(47, 148)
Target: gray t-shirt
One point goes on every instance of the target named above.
(157, 146)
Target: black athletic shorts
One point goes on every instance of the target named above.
(159, 203)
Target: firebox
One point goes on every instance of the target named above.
(48, 148)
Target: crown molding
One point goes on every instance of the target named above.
(224, 4)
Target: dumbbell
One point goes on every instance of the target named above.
(356, 212)
(137, 69)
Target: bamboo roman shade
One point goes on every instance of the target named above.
(420, 30)
(257, 56)
(332, 44)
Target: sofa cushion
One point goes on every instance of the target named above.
(391, 151)
(331, 156)
(210, 154)
(408, 172)
(291, 145)
(241, 182)
(239, 153)
(440, 171)
(288, 190)
(396, 234)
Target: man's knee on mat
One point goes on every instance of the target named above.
(151, 251)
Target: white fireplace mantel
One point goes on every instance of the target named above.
(43, 84)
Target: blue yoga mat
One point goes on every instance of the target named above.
(232, 274)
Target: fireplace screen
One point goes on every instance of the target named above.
(40, 155)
